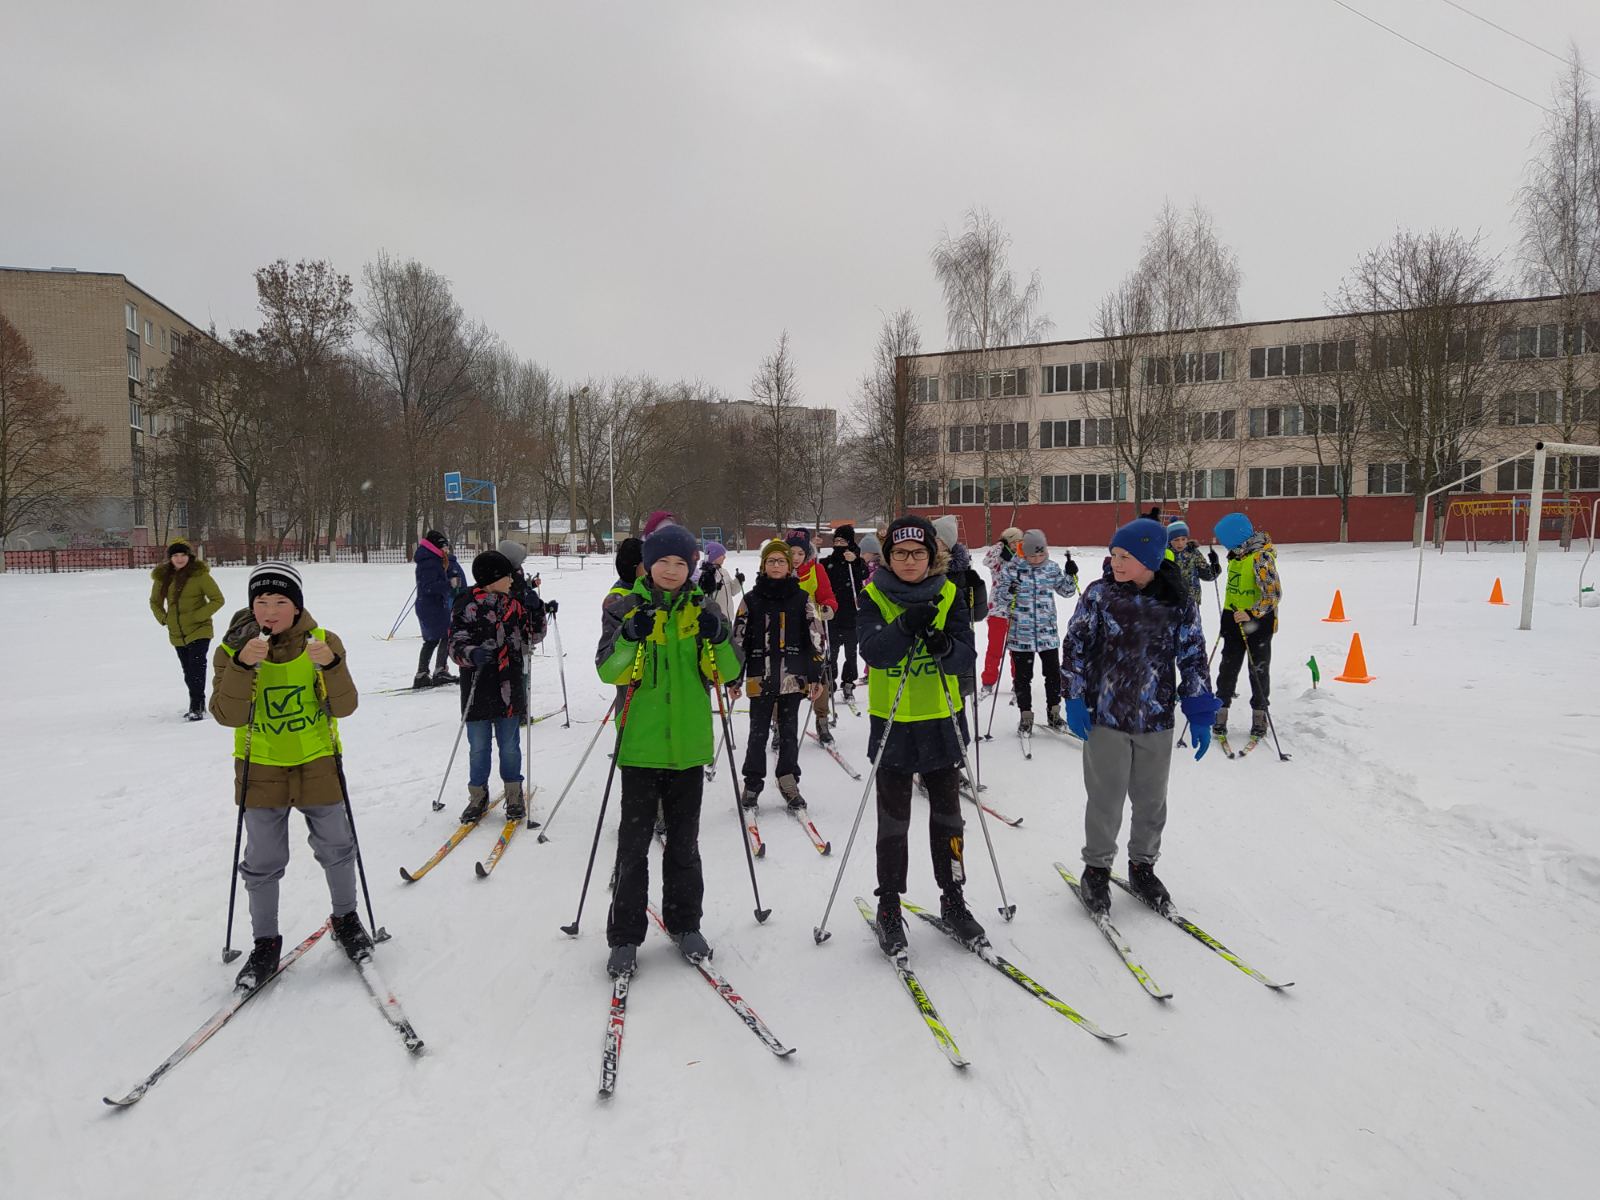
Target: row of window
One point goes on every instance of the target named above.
(1303, 358)
(1007, 435)
(1550, 340)
(170, 341)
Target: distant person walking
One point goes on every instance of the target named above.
(184, 598)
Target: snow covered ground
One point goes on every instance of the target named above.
(1426, 869)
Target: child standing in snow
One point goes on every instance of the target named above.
(814, 581)
(1131, 629)
(489, 641)
(282, 683)
(439, 580)
(721, 584)
(1193, 566)
(1026, 593)
(183, 599)
(667, 644)
(916, 630)
(995, 559)
(847, 575)
(779, 635)
(1249, 620)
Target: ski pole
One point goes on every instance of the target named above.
(472, 695)
(1256, 681)
(1005, 659)
(379, 934)
(1007, 909)
(544, 834)
(228, 952)
(561, 669)
(404, 609)
(605, 798)
(821, 933)
(733, 775)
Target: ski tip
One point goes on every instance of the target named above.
(827, 847)
(414, 1044)
(761, 851)
(762, 914)
(125, 1102)
(407, 875)
(479, 868)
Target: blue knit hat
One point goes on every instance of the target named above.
(715, 550)
(670, 539)
(1143, 538)
(1233, 530)
(1177, 530)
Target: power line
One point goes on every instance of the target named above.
(1452, 62)
(1534, 45)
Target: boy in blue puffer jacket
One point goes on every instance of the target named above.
(1131, 628)
(1026, 594)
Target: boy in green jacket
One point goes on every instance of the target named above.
(667, 643)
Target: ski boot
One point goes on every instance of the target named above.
(953, 908)
(516, 801)
(789, 789)
(824, 734)
(1219, 723)
(1054, 719)
(890, 926)
(421, 680)
(263, 961)
(195, 714)
(1025, 723)
(693, 946)
(624, 960)
(849, 694)
(1095, 888)
(987, 690)
(748, 797)
(442, 676)
(477, 805)
(347, 931)
(1143, 883)
(1258, 722)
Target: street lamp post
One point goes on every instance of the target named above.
(611, 455)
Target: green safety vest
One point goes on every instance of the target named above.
(289, 725)
(1243, 590)
(929, 692)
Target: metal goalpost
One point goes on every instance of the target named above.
(1530, 569)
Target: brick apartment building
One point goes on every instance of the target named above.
(104, 340)
(1245, 439)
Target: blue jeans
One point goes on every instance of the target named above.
(505, 730)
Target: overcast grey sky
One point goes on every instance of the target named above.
(664, 187)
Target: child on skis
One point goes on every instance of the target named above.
(995, 559)
(973, 591)
(1026, 593)
(1250, 618)
(668, 645)
(814, 580)
(847, 575)
(1192, 565)
(439, 580)
(871, 553)
(717, 581)
(1131, 629)
(489, 642)
(282, 684)
(779, 635)
(917, 638)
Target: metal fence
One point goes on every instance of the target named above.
(112, 558)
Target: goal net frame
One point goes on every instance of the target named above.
(1530, 568)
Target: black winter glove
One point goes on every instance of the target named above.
(481, 655)
(937, 641)
(739, 575)
(1071, 568)
(917, 619)
(1215, 564)
(640, 624)
(550, 606)
(713, 628)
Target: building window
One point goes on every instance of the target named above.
(149, 333)
(135, 413)
(1079, 489)
(1530, 408)
(1266, 482)
(181, 515)
(1532, 341)
(1003, 435)
(924, 388)
(1194, 366)
(1278, 421)
(138, 511)
(1470, 467)
(1082, 377)
(1087, 431)
(1518, 476)
(1321, 418)
(998, 384)
(176, 342)
(134, 373)
(1388, 479)
(922, 493)
(130, 317)
(1303, 358)
(1219, 425)
(1187, 485)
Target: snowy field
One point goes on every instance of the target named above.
(1426, 869)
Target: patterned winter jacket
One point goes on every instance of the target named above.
(779, 635)
(1033, 613)
(484, 618)
(1195, 569)
(995, 559)
(1258, 547)
(1121, 647)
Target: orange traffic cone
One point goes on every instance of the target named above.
(1355, 664)
(1336, 613)
(1497, 596)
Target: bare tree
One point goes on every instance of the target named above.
(816, 436)
(1421, 303)
(893, 427)
(424, 349)
(1333, 409)
(1559, 209)
(49, 459)
(1164, 350)
(986, 309)
(776, 393)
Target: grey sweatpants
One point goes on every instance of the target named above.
(266, 854)
(1119, 766)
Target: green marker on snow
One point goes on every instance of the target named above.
(1316, 675)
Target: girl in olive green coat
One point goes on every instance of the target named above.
(184, 597)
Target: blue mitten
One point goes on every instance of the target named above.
(1078, 718)
(1201, 711)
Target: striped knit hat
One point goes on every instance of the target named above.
(278, 579)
